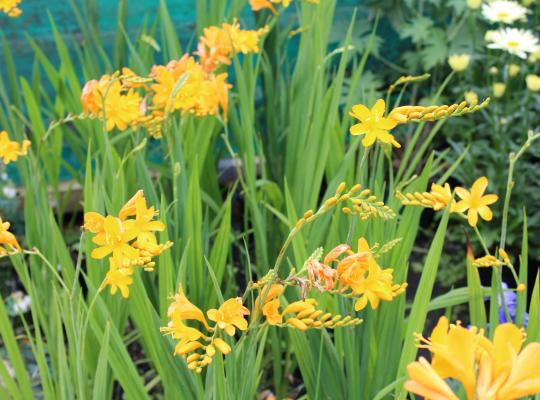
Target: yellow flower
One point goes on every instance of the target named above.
(513, 70)
(10, 7)
(182, 309)
(459, 62)
(533, 82)
(114, 239)
(373, 124)
(230, 315)
(7, 238)
(271, 304)
(498, 89)
(474, 4)
(377, 285)
(424, 381)
(121, 109)
(10, 150)
(257, 5)
(487, 369)
(118, 278)
(475, 201)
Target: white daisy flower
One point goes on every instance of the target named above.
(504, 11)
(515, 41)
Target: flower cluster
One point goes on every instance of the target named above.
(8, 241)
(375, 126)
(257, 5)
(487, 369)
(196, 346)
(301, 314)
(188, 85)
(129, 241)
(474, 202)
(10, 8)
(11, 150)
(357, 275)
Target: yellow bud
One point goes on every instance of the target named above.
(187, 348)
(297, 307)
(296, 323)
(330, 202)
(521, 287)
(513, 70)
(474, 4)
(533, 82)
(459, 62)
(192, 357)
(222, 346)
(346, 210)
(498, 89)
(210, 350)
(340, 188)
(355, 188)
(308, 214)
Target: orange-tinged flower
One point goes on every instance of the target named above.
(130, 208)
(320, 275)
(267, 296)
(475, 201)
(352, 268)
(373, 124)
(182, 309)
(257, 5)
(11, 150)
(10, 8)
(271, 312)
(230, 315)
(7, 238)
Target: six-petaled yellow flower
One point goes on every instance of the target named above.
(475, 202)
(373, 124)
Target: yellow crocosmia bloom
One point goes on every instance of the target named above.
(11, 150)
(475, 202)
(91, 96)
(442, 196)
(373, 124)
(114, 239)
(181, 308)
(230, 315)
(488, 370)
(352, 268)
(10, 8)
(257, 5)
(121, 110)
(271, 312)
(7, 238)
(266, 296)
(375, 286)
(93, 222)
(424, 381)
(143, 221)
(130, 208)
(218, 44)
(118, 278)
(459, 62)
(185, 334)
(454, 350)
(524, 378)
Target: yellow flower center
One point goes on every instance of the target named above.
(513, 44)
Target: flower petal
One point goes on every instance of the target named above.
(479, 186)
(361, 112)
(485, 213)
(378, 108)
(472, 217)
(463, 193)
(359, 129)
(489, 199)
